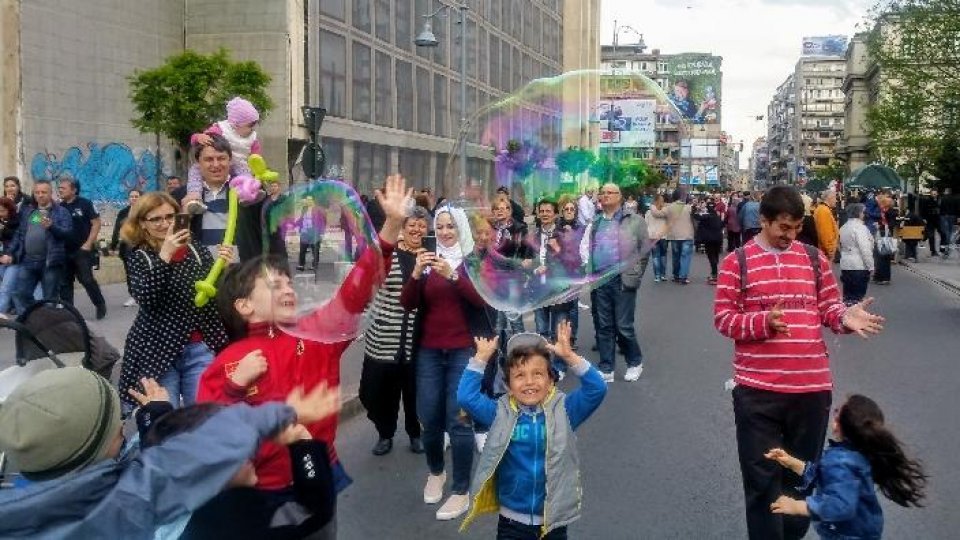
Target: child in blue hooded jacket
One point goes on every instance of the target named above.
(530, 427)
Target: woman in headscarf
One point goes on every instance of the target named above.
(444, 296)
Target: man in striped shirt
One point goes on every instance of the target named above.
(773, 308)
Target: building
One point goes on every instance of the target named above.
(688, 151)
(758, 173)
(781, 121)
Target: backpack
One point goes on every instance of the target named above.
(812, 252)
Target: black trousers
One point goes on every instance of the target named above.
(713, 255)
(79, 266)
(315, 247)
(855, 283)
(508, 529)
(733, 240)
(795, 422)
(382, 387)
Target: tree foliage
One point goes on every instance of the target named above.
(947, 165)
(190, 91)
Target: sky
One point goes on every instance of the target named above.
(760, 42)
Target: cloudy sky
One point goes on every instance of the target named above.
(759, 41)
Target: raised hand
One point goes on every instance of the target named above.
(320, 403)
(775, 319)
(563, 348)
(786, 460)
(486, 348)
(152, 391)
(394, 197)
(249, 369)
(861, 321)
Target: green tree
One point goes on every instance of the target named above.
(947, 165)
(190, 91)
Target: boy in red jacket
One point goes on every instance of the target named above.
(264, 364)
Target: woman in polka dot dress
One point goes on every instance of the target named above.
(171, 340)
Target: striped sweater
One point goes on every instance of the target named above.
(763, 359)
(391, 325)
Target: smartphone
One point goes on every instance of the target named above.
(181, 222)
(430, 243)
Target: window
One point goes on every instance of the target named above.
(370, 163)
(415, 165)
(421, 8)
(424, 105)
(506, 80)
(405, 95)
(384, 90)
(333, 151)
(361, 82)
(517, 69)
(333, 8)
(494, 61)
(383, 20)
(471, 48)
(483, 61)
(361, 15)
(441, 108)
(662, 67)
(333, 81)
(403, 20)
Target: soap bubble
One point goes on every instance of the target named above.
(342, 264)
(552, 140)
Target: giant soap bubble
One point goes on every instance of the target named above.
(339, 261)
(553, 140)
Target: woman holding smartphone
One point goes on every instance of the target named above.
(171, 340)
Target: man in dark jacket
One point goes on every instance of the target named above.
(81, 248)
(38, 246)
(930, 214)
(949, 212)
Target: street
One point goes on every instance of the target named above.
(658, 459)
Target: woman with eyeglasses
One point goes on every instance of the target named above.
(571, 232)
(172, 340)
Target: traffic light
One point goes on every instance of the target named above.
(313, 159)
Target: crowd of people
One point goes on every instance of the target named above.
(212, 385)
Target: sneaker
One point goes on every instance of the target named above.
(130, 302)
(416, 445)
(633, 373)
(455, 507)
(383, 447)
(684, 281)
(607, 376)
(656, 280)
(481, 440)
(433, 490)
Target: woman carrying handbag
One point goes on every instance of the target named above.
(886, 244)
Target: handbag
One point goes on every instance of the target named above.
(886, 245)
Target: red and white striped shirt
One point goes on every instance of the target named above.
(762, 358)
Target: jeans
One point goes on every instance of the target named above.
(947, 224)
(615, 313)
(855, 284)
(795, 422)
(682, 252)
(658, 255)
(183, 379)
(33, 273)
(507, 327)
(80, 266)
(9, 274)
(508, 529)
(438, 376)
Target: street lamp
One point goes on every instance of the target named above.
(620, 28)
(426, 38)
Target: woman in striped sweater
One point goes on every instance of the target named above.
(389, 372)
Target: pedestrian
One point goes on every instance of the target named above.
(263, 364)
(808, 232)
(441, 290)
(856, 255)
(911, 245)
(631, 206)
(9, 222)
(773, 295)
(749, 216)
(571, 234)
(171, 340)
(949, 213)
(276, 233)
(533, 425)
(117, 245)
(62, 429)
(311, 225)
(863, 454)
(710, 231)
(733, 224)
(656, 219)
(508, 241)
(173, 184)
(827, 231)
(516, 210)
(680, 233)
(885, 247)
(587, 205)
(930, 213)
(81, 246)
(389, 375)
(38, 246)
(547, 268)
(12, 190)
(616, 244)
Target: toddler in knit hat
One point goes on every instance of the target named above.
(239, 130)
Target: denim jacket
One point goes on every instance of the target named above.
(844, 502)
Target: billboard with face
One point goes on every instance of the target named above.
(695, 86)
(825, 46)
(628, 123)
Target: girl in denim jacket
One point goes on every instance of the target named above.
(844, 503)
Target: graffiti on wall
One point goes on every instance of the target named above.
(105, 172)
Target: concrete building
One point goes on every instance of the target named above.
(859, 88)
(781, 122)
(758, 173)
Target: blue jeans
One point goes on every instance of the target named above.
(658, 255)
(183, 379)
(947, 223)
(615, 315)
(438, 376)
(682, 252)
(8, 285)
(33, 273)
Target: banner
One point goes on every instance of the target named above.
(628, 123)
(825, 46)
(696, 86)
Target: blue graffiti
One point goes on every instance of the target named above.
(106, 174)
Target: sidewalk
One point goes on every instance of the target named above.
(936, 269)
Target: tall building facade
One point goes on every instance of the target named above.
(859, 88)
(781, 121)
(758, 176)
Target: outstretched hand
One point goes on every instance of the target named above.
(858, 319)
(785, 460)
(394, 200)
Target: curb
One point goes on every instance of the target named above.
(949, 286)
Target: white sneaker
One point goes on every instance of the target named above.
(433, 490)
(446, 441)
(456, 506)
(130, 302)
(481, 440)
(607, 376)
(633, 373)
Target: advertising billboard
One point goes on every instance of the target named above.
(825, 46)
(695, 86)
(628, 123)
(699, 148)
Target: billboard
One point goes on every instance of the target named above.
(628, 123)
(825, 46)
(699, 148)
(695, 91)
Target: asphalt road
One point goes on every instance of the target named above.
(658, 459)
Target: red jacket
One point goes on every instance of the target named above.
(778, 362)
(294, 362)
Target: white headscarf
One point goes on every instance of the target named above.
(454, 254)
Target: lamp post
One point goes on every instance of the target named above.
(426, 38)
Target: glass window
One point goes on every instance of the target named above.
(517, 69)
(383, 20)
(494, 12)
(333, 8)
(370, 163)
(333, 79)
(333, 151)
(494, 61)
(361, 82)
(483, 62)
(440, 108)
(361, 15)
(415, 165)
(471, 48)
(440, 179)
(424, 104)
(405, 95)
(384, 89)
(506, 79)
(445, 50)
(403, 20)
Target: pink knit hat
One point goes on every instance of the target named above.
(241, 112)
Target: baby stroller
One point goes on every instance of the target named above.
(49, 335)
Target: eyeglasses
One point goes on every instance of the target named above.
(569, 208)
(157, 220)
(608, 192)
